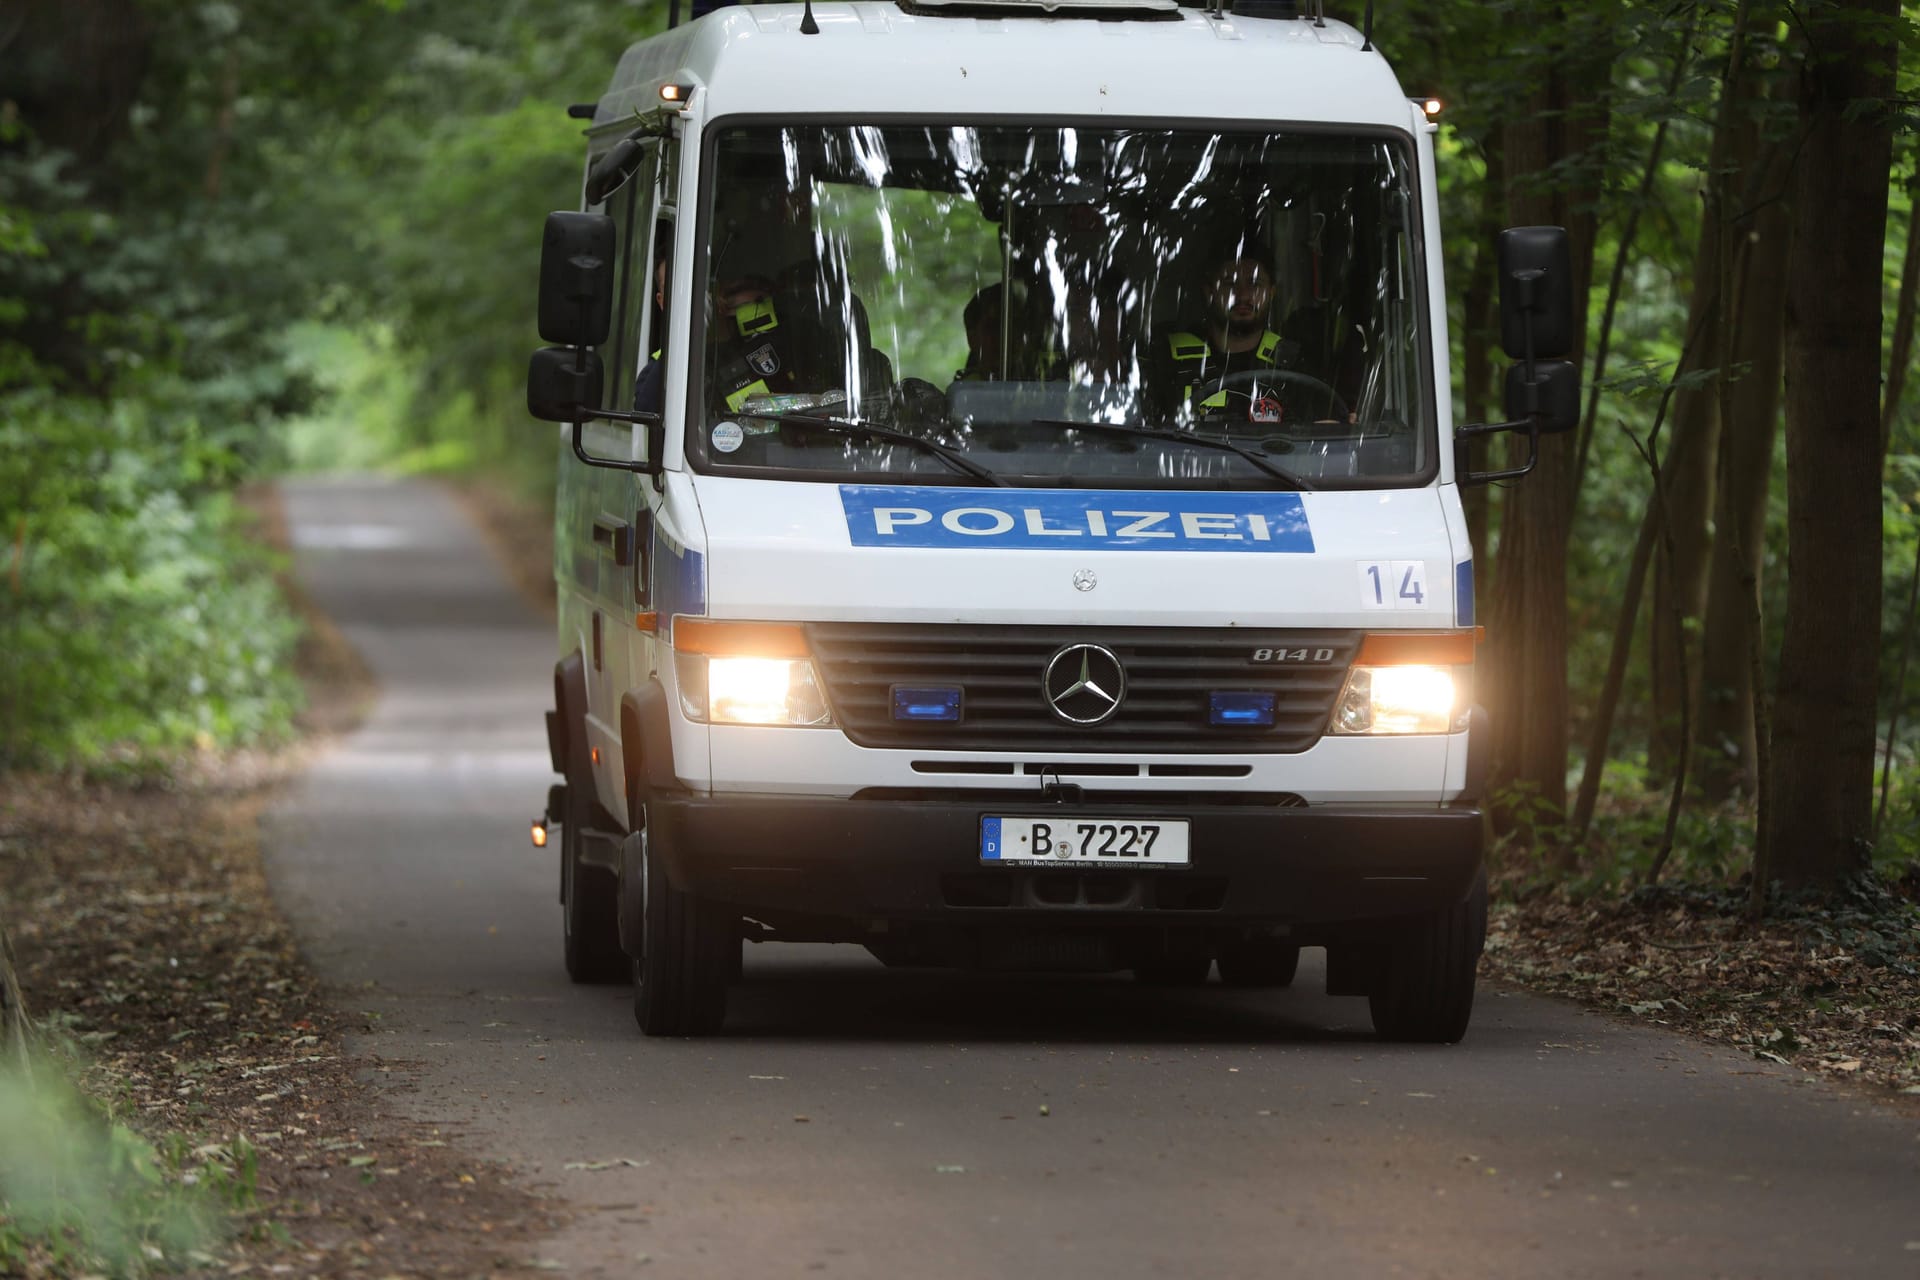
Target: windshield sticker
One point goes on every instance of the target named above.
(1072, 519)
(727, 436)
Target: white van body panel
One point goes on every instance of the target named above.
(783, 551)
(872, 59)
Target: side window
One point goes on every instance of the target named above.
(619, 207)
(630, 208)
(649, 389)
(650, 309)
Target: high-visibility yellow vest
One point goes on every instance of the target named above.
(1192, 355)
(738, 377)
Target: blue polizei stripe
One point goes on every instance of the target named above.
(1463, 594)
(679, 581)
(1073, 519)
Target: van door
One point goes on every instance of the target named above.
(606, 516)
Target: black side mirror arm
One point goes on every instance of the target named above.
(656, 442)
(1466, 478)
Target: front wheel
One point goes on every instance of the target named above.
(1424, 995)
(687, 951)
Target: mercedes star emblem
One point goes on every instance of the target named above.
(1083, 580)
(1084, 683)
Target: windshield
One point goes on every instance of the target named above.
(1233, 309)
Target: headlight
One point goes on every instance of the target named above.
(1404, 699)
(1406, 682)
(746, 688)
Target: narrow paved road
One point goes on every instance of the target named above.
(857, 1122)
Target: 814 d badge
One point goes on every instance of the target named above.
(1293, 657)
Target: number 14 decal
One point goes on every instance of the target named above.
(1393, 584)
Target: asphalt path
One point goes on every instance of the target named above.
(859, 1122)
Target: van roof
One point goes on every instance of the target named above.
(874, 60)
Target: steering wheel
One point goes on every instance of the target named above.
(1246, 380)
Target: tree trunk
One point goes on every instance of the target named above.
(1902, 354)
(1680, 582)
(14, 1023)
(1763, 227)
(1652, 534)
(1825, 699)
(1680, 578)
(1527, 650)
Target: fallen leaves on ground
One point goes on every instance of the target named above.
(146, 938)
(1831, 987)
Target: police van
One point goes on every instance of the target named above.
(1009, 505)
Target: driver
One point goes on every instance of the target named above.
(750, 352)
(1232, 342)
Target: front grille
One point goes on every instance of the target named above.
(1170, 672)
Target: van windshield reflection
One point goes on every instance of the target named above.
(996, 291)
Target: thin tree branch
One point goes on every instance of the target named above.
(1623, 252)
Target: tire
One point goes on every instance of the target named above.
(1259, 962)
(1425, 995)
(686, 956)
(1175, 970)
(589, 903)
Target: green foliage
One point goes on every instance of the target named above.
(136, 619)
(89, 1194)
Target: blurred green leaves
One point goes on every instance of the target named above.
(92, 1196)
(135, 618)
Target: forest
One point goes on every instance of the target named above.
(241, 239)
(238, 240)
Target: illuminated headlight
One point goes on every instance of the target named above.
(730, 690)
(1404, 699)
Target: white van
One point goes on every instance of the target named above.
(1009, 505)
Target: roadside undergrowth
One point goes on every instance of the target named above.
(1830, 986)
(194, 1104)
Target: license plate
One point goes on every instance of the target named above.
(1064, 840)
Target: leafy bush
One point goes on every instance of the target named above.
(135, 617)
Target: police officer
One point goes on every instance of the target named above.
(1212, 367)
(752, 355)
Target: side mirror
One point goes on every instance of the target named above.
(564, 384)
(612, 170)
(1549, 401)
(1536, 293)
(576, 279)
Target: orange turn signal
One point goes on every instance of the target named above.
(739, 639)
(539, 834)
(1418, 648)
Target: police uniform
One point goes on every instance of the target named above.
(756, 359)
(1195, 364)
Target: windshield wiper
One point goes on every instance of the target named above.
(847, 427)
(1255, 456)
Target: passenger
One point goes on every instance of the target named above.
(649, 388)
(984, 319)
(1212, 366)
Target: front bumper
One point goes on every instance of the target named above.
(867, 861)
